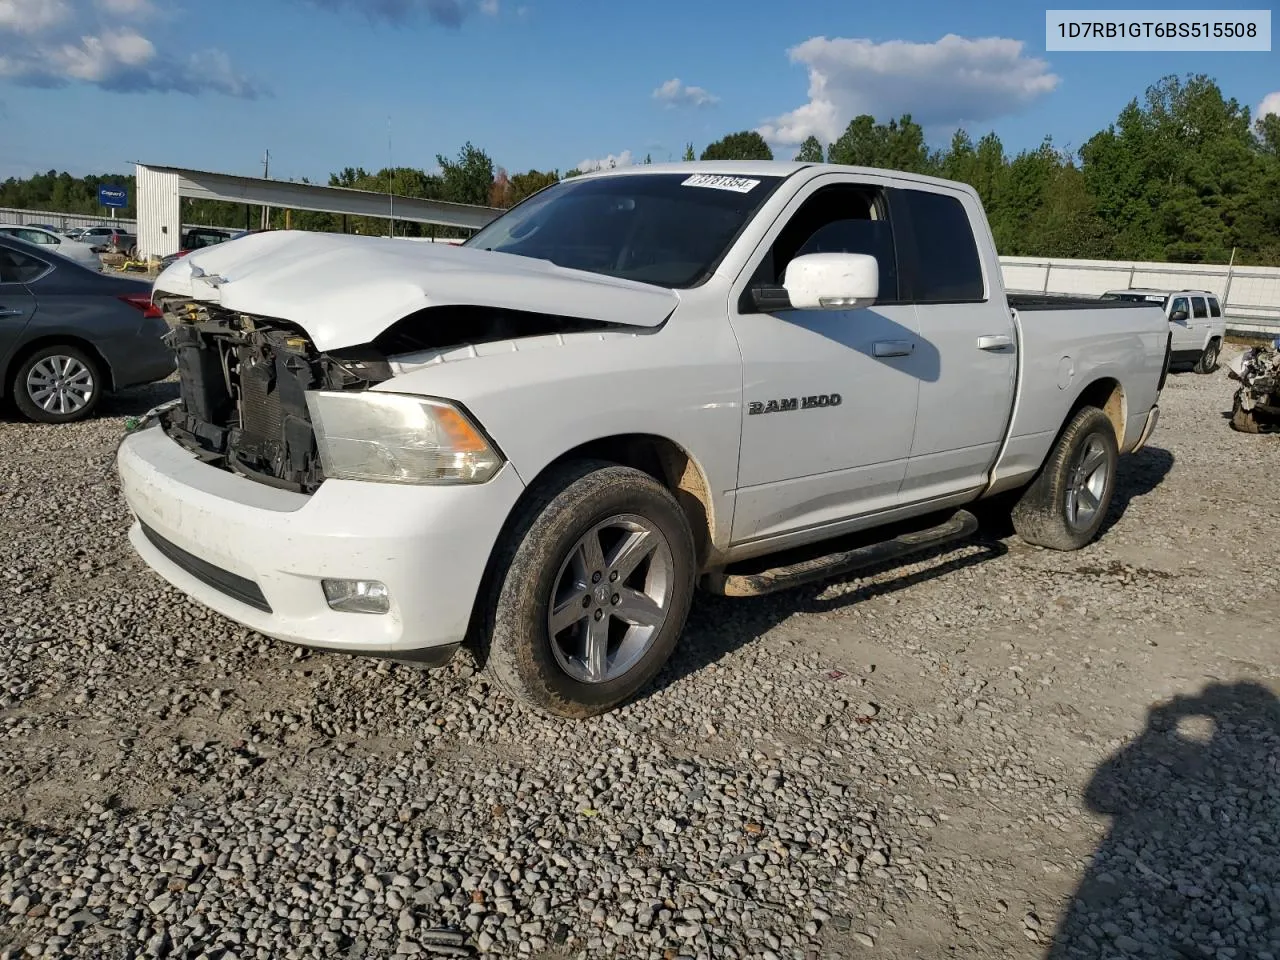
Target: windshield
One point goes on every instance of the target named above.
(667, 229)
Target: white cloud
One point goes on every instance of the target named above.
(51, 43)
(674, 93)
(951, 81)
(1270, 104)
(622, 159)
(489, 7)
(33, 16)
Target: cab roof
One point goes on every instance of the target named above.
(768, 168)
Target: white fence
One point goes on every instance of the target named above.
(1250, 295)
(65, 221)
(61, 221)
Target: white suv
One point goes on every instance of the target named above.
(1196, 324)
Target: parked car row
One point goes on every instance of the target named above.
(79, 251)
(70, 334)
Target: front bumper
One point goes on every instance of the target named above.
(257, 554)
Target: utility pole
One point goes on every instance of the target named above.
(266, 175)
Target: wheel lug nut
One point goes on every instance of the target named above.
(599, 614)
(614, 599)
(586, 601)
(613, 577)
(595, 577)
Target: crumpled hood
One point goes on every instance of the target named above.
(345, 290)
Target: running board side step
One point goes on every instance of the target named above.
(960, 526)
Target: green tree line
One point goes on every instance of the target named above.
(1183, 174)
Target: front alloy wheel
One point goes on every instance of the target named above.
(591, 589)
(610, 598)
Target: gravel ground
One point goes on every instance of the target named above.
(997, 751)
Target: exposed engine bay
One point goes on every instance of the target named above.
(1256, 407)
(244, 381)
(244, 378)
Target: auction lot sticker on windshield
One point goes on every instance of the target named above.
(718, 182)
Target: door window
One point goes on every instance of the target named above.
(1214, 309)
(19, 268)
(1201, 311)
(938, 241)
(36, 236)
(842, 218)
(1180, 303)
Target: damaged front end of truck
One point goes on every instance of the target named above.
(244, 382)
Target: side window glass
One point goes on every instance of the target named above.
(948, 267)
(1180, 304)
(843, 218)
(18, 267)
(1200, 310)
(1214, 309)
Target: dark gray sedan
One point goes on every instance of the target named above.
(68, 335)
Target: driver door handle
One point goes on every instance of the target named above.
(995, 342)
(894, 348)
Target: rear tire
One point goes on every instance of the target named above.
(1208, 361)
(1067, 502)
(559, 638)
(58, 383)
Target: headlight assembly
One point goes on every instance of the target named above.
(394, 438)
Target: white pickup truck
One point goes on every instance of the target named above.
(631, 383)
(1196, 324)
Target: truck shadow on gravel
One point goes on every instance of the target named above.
(1191, 864)
(720, 625)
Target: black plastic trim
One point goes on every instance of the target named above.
(233, 585)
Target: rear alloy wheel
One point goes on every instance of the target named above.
(595, 584)
(1065, 505)
(1208, 361)
(57, 384)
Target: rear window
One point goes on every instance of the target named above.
(18, 267)
(1198, 306)
(1214, 309)
(948, 269)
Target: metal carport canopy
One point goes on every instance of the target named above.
(286, 194)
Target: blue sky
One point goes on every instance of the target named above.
(90, 85)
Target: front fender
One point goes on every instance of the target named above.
(542, 397)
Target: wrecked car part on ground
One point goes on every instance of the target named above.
(1256, 405)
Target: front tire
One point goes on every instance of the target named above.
(595, 583)
(57, 384)
(1066, 504)
(1208, 361)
